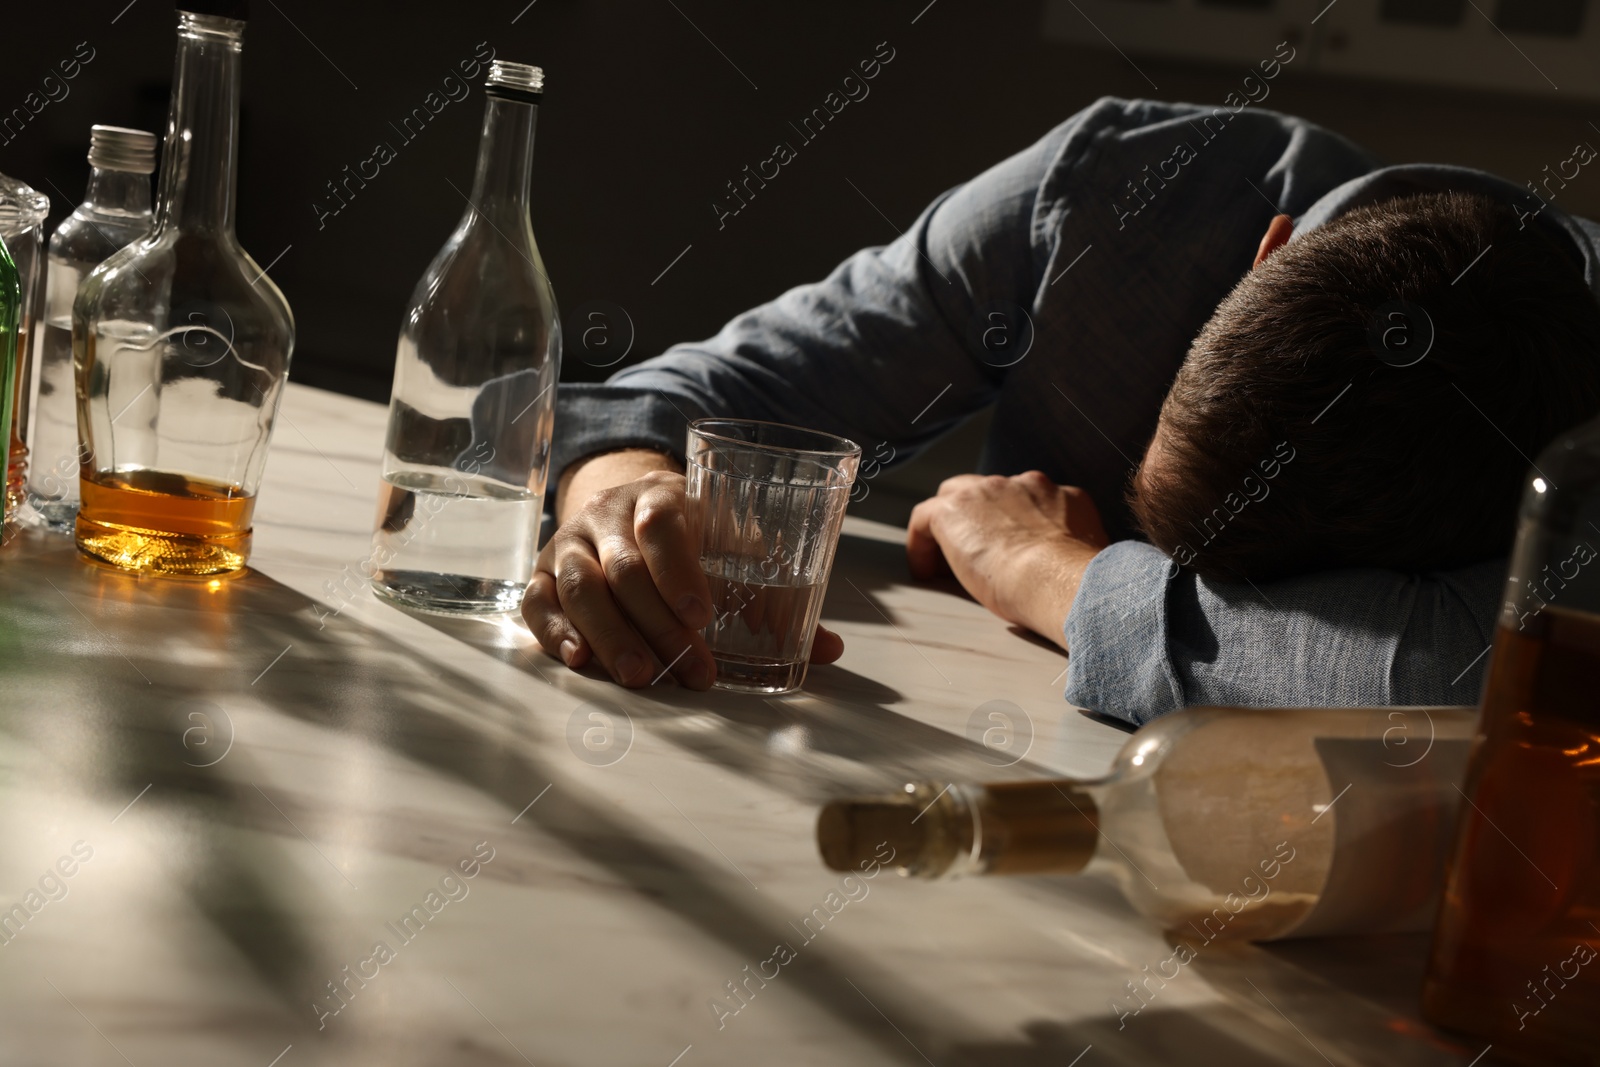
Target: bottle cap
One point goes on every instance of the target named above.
(119, 148)
(228, 9)
(519, 76)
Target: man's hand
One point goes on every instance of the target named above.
(620, 581)
(1019, 545)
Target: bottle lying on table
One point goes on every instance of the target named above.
(1231, 823)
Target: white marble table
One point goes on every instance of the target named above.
(252, 782)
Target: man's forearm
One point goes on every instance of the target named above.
(1054, 573)
(589, 475)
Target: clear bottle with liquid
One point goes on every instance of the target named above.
(473, 407)
(1218, 823)
(114, 213)
(22, 214)
(182, 343)
(1516, 954)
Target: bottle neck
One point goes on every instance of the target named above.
(1048, 826)
(505, 158)
(1028, 827)
(202, 146)
(117, 192)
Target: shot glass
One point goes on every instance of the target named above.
(766, 502)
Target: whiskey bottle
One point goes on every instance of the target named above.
(1514, 953)
(182, 343)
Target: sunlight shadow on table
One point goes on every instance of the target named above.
(153, 646)
(835, 737)
(133, 656)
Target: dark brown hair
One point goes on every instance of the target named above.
(1372, 395)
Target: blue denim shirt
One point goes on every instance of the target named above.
(1063, 287)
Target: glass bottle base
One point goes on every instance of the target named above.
(448, 594)
(740, 674)
(151, 552)
(159, 522)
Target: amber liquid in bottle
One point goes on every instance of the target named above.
(17, 463)
(164, 523)
(181, 344)
(1516, 959)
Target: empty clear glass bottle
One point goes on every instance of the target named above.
(182, 343)
(1516, 954)
(472, 411)
(1219, 823)
(22, 215)
(10, 312)
(115, 211)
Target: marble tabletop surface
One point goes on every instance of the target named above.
(218, 801)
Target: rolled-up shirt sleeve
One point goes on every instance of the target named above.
(1147, 638)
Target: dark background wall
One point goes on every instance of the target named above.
(651, 106)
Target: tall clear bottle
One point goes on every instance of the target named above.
(182, 343)
(1219, 823)
(22, 214)
(472, 412)
(1516, 954)
(114, 213)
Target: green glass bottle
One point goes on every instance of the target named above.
(10, 308)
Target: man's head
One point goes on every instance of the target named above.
(1372, 395)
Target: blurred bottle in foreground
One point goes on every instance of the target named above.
(22, 215)
(182, 343)
(115, 211)
(472, 412)
(1515, 952)
(1218, 823)
(10, 311)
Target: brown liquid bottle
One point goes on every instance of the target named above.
(181, 343)
(1516, 954)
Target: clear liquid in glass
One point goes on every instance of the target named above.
(760, 630)
(765, 504)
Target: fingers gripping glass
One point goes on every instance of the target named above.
(766, 502)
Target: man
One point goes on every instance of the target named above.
(1331, 488)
